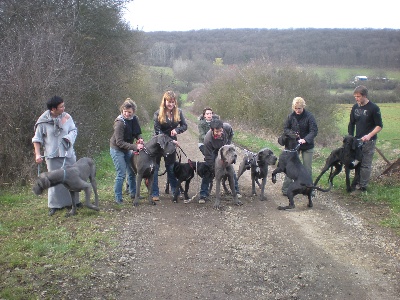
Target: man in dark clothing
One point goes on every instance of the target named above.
(366, 120)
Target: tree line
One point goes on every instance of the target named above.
(327, 47)
(77, 49)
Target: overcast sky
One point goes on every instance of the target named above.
(183, 15)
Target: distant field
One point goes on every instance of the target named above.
(345, 74)
(388, 138)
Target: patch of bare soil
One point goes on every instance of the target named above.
(335, 250)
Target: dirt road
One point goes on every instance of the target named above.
(192, 251)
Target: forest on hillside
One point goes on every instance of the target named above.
(325, 47)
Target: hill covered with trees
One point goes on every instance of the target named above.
(326, 47)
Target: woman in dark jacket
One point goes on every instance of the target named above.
(126, 130)
(302, 122)
(168, 120)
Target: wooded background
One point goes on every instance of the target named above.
(83, 51)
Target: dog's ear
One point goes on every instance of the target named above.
(221, 153)
(281, 140)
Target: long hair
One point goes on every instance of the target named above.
(162, 116)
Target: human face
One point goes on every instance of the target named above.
(218, 133)
(59, 110)
(298, 109)
(170, 104)
(360, 99)
(208, 115)
(127, 113)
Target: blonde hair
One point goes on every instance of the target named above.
(298, 101)
(168, 96)
(128, 103)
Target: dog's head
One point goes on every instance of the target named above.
(41, 184)
(289, 139)
(351, 143)
(266, 157)
(227, 154)
(203, 170)
(166, 144)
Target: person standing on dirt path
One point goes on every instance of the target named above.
(55, 132)
(169, 120)
(303, 122)
(204, 125)
(366, 121)
(126, 130)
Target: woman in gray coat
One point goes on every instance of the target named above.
(55, 132)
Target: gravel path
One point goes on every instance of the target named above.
(191, 251)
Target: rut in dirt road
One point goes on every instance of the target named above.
(192, 251)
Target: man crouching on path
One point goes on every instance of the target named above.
(220, 134)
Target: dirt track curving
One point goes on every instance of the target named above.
(191, 251)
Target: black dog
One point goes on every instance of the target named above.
(258, 163)
(343, 156)
(184, 172)
(290, 164)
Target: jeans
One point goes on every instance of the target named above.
(122, 163)
(171, 178)
(365, 167)
(307, 156)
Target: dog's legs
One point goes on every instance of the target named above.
(263, 183)
(310, 204)
(177, 191)
(150, 189)
(96, 196)
(167, 186)
(88, 192)
(217, 203)
(186, 192)
(348, 187)
(138, 183)
(72, 212)
(290, 195)
(231, 179)
(253, 184)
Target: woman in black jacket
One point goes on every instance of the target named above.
(303, 123)
(168, 120)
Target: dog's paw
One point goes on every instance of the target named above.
(286, 207)
(239, 203)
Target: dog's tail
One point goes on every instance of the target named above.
(321, 189)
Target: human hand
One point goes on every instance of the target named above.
(302, 141)
(38, 159)
(140, 141)
(366, 138)
(173, 132)
(139, 146)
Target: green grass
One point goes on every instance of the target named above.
(39, 252)
(345, 74)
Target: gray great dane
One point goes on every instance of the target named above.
(258, 163)
(74, 178)
(223, 168)
(290, 164)
(143, 162)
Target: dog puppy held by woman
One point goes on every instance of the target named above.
(122, 145)
(169, 120)
(55, 132)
